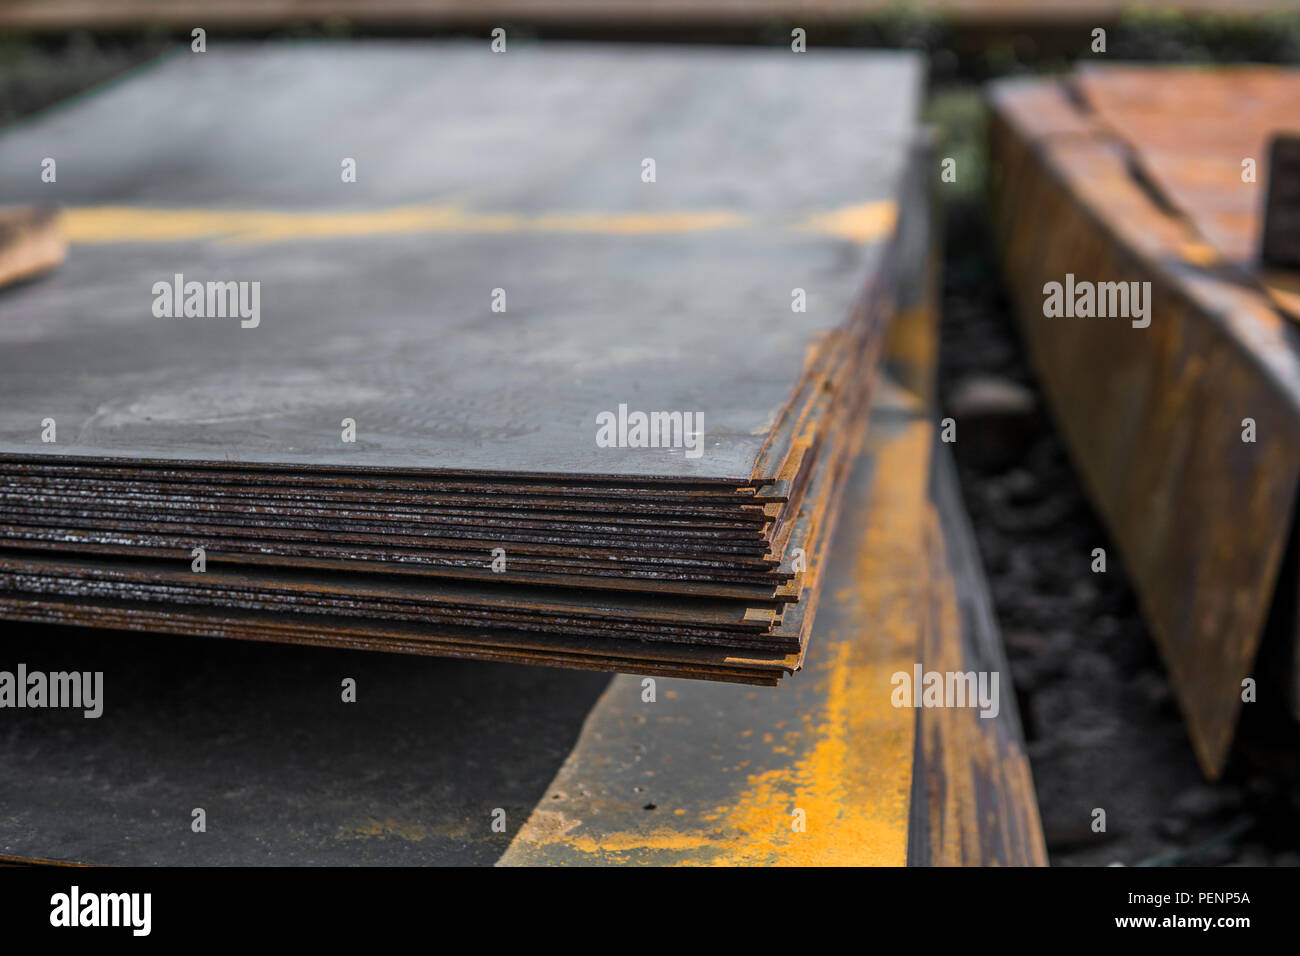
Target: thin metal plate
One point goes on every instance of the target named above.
(376, 294)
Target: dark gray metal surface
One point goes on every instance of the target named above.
(288, 774)
(390, 324)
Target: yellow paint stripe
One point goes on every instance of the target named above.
(865, 222)
(113, 224)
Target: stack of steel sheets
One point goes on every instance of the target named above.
(354, 347)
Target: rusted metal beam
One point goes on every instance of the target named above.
(1185, 430)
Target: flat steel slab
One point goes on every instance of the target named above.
(475, 172)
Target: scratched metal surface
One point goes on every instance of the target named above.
(242, 611)
(708, 773)
(334, 783)
(672, 295)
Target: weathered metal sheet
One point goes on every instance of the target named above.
(973, 800)
(376, 294)
(707, 773)
(711, 774)
(1185, 431)
(718, 775)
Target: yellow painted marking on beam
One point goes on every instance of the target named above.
(865, 222)
(854, 781)
(617, 843)
(94, 225)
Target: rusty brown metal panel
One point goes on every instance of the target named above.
(1154, 416)
(1212, 142)
(973, 800)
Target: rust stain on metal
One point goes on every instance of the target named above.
(1206, 140)
(973, 801)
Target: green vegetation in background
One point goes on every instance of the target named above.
(958, 114)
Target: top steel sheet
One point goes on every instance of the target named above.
(475, 171)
